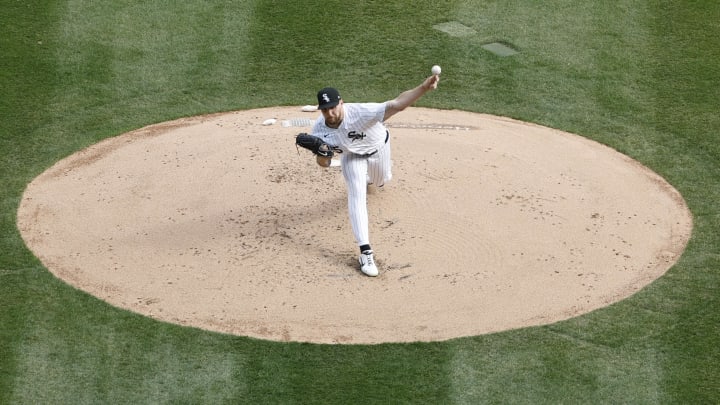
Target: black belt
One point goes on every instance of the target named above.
(387, 137)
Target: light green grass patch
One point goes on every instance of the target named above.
(455, 29)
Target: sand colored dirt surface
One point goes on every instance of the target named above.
(489, 224)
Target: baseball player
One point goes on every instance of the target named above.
(357, 130)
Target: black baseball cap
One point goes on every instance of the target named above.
(328, 98)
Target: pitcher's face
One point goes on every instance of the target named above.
(334, 116)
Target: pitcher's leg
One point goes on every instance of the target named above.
(355, 173)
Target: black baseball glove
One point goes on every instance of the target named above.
(315, 145)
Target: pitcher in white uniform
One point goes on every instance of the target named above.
(358, 130)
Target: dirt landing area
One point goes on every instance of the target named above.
(218, 222)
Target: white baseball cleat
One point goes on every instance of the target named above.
(367, 263)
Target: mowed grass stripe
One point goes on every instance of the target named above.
(25, 75)
(152, 57)
(543, 365)
(687, 122)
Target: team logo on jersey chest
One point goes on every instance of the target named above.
(354, 135)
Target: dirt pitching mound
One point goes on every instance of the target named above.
(489, 224)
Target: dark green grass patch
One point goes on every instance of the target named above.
(640, 77)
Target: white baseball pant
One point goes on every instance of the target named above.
(359, 171)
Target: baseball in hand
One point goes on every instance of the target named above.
(436, 70)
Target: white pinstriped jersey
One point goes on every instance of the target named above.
(361, 131)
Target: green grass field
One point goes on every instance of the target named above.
(639, 76)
